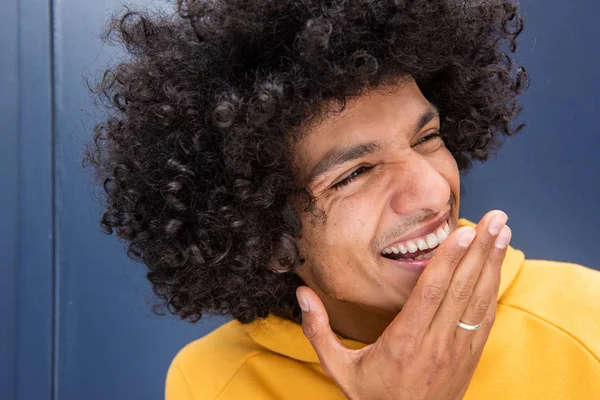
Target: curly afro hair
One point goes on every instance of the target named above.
(195, 155)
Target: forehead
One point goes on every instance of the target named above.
(372, 117)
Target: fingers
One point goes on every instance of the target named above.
(486, 291)
(332, 354)
(423, 303)
(465, 279)
(479, 340)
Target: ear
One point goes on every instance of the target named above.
(283, 254)
(276, 266)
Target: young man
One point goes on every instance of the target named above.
(295, 164)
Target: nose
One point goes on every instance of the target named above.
(418, 186)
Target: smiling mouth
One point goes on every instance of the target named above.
(420, 248)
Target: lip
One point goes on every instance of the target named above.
(412, 265)
(427, 228)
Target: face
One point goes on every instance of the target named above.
(379, 173)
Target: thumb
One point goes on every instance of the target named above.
(315, 324)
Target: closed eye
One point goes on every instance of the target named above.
(427, 138)
(361, 170)
(355, 174)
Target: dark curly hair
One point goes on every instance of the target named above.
(195, 152)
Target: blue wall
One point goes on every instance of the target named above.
(26, 226)
(76, 320)
(9, 198)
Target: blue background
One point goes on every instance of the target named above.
(76, 316)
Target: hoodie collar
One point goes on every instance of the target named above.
(285, 337)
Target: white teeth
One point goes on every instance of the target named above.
(412, 247)
(403, 249)
(432, 240)
(441, 235)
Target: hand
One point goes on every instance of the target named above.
(423, 354)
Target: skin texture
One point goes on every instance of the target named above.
(409, 184)
(408, 318)
(422, 354)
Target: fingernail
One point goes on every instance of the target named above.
(302, 301)
(466, 237)
(498, 221)
(503, 238)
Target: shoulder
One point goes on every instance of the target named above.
(202, 368)
(563, 295)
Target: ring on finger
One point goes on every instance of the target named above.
(468, 327)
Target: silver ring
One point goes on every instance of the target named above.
(468, 327)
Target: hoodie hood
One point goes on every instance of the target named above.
(285, 337)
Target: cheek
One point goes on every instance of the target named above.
(332, 249)
(449, 168)
(350, 223)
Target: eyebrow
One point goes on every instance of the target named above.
(339, 156)
(429, 115)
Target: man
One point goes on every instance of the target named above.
(296, 165)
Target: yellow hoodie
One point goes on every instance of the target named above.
(545, 344)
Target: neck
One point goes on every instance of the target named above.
(354, 321)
